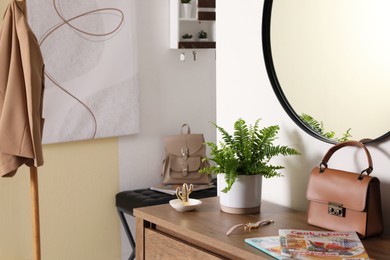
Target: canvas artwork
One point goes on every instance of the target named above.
(91, 73)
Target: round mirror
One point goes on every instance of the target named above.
(329, 64)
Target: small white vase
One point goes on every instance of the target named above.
(244, 197)
(186, 11)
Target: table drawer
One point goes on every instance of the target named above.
(161, 246)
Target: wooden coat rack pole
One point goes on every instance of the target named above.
(35, 212)
(34, 194)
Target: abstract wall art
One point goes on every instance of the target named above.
(91, 70)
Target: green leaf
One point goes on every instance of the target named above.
(246, 152)
(318, 127)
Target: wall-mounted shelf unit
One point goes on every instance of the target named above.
(201, 17)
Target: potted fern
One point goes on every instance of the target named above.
(241, 160)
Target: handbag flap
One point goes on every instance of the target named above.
(175, 143)
(191, 164)
(339, 187)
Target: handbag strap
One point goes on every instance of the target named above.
(324, 163)
(188, 128)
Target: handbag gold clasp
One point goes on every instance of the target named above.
(336, 209)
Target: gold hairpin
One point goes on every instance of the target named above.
(250, 226)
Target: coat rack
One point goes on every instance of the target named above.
(34, 192)
(22, 105)
(35, 212)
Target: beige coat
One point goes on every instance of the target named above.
(21, 93)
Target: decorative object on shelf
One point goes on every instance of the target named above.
(241, 161)
(179, 206)
(186, 9)
(187, 36)
(171, 188)
(184, 193)
(183, 201)
(250, 226)
(345, 201)
(203, 36)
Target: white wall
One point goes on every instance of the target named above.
(171, 93)
(243, 90)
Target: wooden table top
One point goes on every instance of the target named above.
(207, 226)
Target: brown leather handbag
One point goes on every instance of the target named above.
(345, 201)
(184, 155)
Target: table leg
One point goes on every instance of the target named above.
(140, 238)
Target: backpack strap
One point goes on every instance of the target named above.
(188, 128)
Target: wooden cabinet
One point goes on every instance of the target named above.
(164, 233)
(201, 17)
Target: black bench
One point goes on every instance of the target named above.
(126, 201)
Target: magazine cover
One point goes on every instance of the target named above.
(305, 244)
(269, 245)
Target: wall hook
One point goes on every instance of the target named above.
(182, 56)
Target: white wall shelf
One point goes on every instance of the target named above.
(202, 17)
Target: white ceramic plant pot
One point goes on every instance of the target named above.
(244, 197)
(186, 11)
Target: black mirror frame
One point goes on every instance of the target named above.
(269, 64)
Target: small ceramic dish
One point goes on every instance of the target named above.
(179, 206)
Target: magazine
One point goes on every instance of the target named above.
(171, 188)
(269, 245)
(305, 244)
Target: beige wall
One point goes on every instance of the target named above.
(77, 186)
